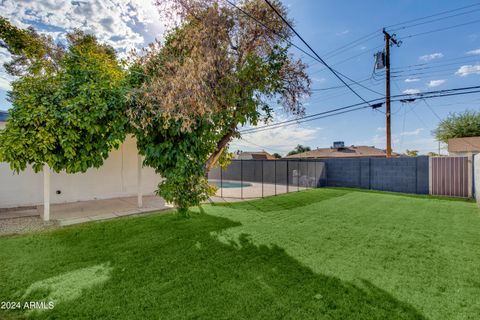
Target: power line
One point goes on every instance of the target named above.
(351, 110)
(337, 87)
(293, 44)
(435, 20)
(346, 47)
(440, 29)
(372, 35)
(350, 58)
(428, 67)
(433, 15)
(435, 62)
(421, 71)
(313, 51)
(431, 109)
(307, 120)
(439, 73)
(399, 97)
(260, 146)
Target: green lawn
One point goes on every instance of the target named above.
(317, 254)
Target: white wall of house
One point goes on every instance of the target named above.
(116, 178)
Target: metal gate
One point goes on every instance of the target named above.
(451, 176)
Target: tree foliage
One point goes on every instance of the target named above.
(216, 70)
(299, 149)
(276, 155)
(458, 125)
(411, 153)
(68, 102)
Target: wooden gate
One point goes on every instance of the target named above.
(451, 176)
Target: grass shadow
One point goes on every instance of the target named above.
(174, 269)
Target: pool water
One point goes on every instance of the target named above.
(230, 184)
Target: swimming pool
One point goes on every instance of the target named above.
(230, 184)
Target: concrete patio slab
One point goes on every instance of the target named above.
(102, 209)
(95, 210)
(18, 213)
(84, 211)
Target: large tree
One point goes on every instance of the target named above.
(299, 149)
(218, 69)
(68, 102)
(458, 125)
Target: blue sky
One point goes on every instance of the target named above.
(451, 58)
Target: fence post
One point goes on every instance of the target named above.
(430, 175)
(241, 178)
(470, 175)
(360, 173)
(221, 181)
(369, 173)
(287, 176)
(275, 174)
(416, 175)
(308, 175)
(298, 176)
(315, 169)
(262, 178)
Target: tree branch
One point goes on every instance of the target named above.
(212, 160)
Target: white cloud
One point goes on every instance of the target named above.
(344, 32)
(435, 83)
(4, 84)
(415, 132)
(320, 80)
(280, 140)
(4, 77)
(412, 79)
(411, 91)
(431, 56)
(120, 23)
(411, 140)
(472, 37)
(474, 52)
(466, 70)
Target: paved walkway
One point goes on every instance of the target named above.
(18, 219)
(84, 211)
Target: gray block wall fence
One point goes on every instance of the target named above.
(408, 175)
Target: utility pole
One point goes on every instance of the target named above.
(388, 39)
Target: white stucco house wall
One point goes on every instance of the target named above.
(121, 175)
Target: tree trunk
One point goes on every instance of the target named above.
(218, 151)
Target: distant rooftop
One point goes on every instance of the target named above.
(254, 155)
(3, 115)
(467, 144)
(339, 150)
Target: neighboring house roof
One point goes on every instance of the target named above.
(470, 144)
(3, 116)
(254, 155)
(343, 152)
